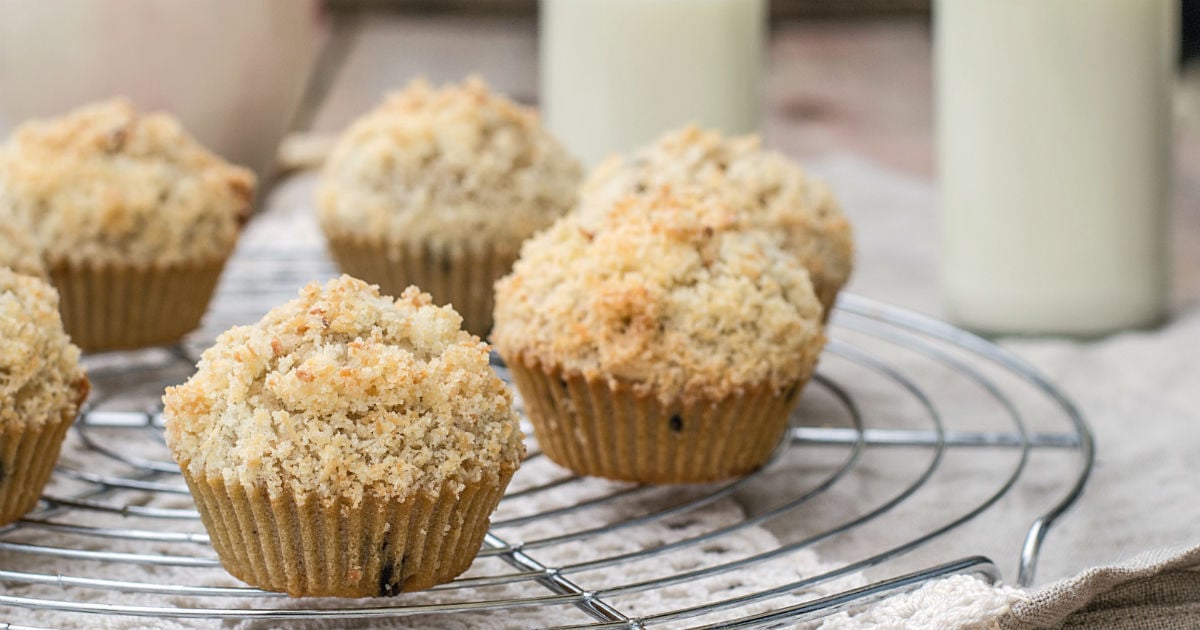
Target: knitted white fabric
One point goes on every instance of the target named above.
(962, 602)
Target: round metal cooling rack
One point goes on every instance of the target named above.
(905, 413)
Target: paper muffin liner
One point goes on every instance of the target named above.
(827, 293)
(298, 545)
(609, 430)
(116, 306)
(462, 275)
(27, 458)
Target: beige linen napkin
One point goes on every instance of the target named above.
(1154, 591)
(1158, 590)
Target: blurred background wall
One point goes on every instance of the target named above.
(780, 8)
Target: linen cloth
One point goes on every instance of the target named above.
(1158, 590)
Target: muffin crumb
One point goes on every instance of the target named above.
(18, 251)
(40, 376)
(106, 183)
(344, 392)
(773, 192)
(447, 165)
(666, 291)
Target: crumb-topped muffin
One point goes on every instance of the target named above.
(661, 342)
(773, 193)
(18, 251)
(368, 434)
(133, 217)
(438, 187)
(41, 389)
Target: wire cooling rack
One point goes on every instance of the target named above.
(911, 432)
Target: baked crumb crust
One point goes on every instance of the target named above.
(343, 392)
(665, 291)
(774, 193)
(107, 183)
(40, 376)
(447, 165)
(18, 250)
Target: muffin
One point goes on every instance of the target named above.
(18, 251)
(663, 342)
(773, 193)
(134, 220)
(438, 188)
(347, 444)
(41, 390)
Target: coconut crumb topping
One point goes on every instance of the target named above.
(40, 377)
(773, 192)
(344, 392)
(447, 165)
(18, 250)
(665, 291)
(105, 183)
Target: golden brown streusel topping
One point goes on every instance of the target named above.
(449, 165)
(105, 183)
(773, 191)
(343, 392)
(18, 250)
(40, 377)
(665, 291)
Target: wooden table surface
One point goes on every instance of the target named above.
(833, 87)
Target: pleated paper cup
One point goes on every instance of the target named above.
(119, 306)
(301, 546)
(462, 275)
(827, 294)
(27, 458)
(612, 431)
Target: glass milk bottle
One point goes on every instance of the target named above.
(1054, 161)
(617, 73)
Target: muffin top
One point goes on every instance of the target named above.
(772, 191)
(40, 377)
(343, 392)
(667, 292)
(107, 184)
(18, 251)
(450, 165)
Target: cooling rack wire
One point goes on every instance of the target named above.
(905, 413)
